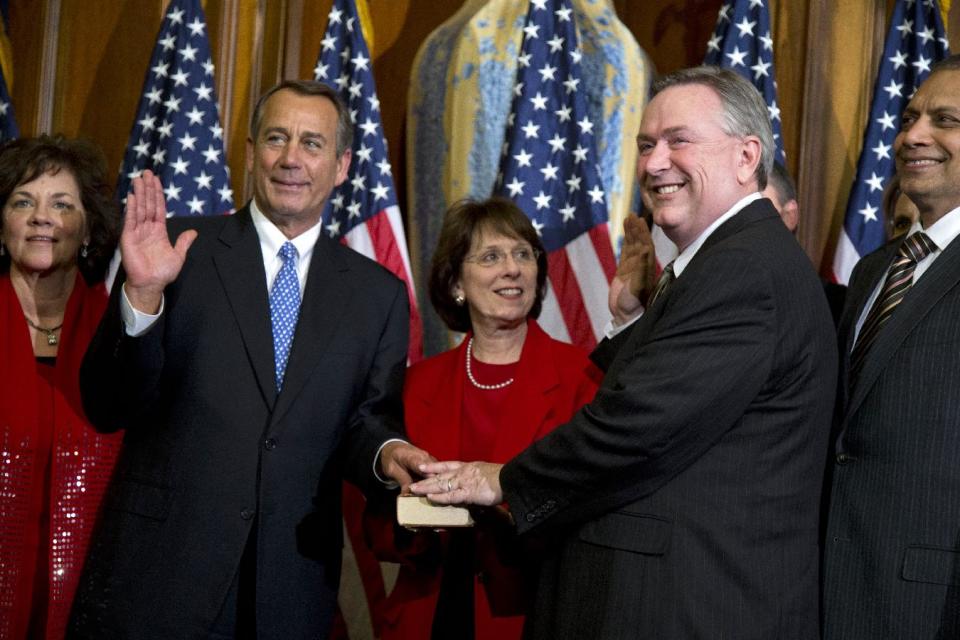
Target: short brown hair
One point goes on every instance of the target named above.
(26, 159)
(461, 223)
(309, 88)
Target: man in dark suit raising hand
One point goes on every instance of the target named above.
(253, 363)
(684, 498)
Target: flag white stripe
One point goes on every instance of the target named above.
(591, 280)
(551, 319)
(844, 259)
(360, 241)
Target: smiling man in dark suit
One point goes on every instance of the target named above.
(683, 500)
(892, 551)
(253, 364)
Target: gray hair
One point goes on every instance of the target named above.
(309, 88)
(744, 111)
(782, 183)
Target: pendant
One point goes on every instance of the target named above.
(52, 339)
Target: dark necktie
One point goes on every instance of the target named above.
(895, 287)
(666, 279)
(284, 309)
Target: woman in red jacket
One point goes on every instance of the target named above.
(507, 384)
(57, 237)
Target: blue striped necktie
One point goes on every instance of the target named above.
(284, 309)
(899, 280)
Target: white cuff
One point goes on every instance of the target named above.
(612, 330)
(136, 322)
(389, 484)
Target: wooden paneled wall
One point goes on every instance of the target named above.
(79, 67)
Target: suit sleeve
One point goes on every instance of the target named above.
(673, 391)
(378, 415)
(120, 374)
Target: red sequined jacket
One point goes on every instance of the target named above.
(40, 424)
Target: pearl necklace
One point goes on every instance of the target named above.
(473, 381)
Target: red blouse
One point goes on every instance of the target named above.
(54, 467)
(449, 417)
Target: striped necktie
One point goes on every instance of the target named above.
(899, 280)
(284, 309)
(666, 279)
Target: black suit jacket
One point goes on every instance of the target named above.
(686, 494)
(892, 551)
(211, 450)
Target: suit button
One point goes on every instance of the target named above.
(246, 514)
(843, 458)
(531, 517)
(270, 444)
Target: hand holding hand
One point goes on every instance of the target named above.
(461, 483)
(150, 261)
(634, 279)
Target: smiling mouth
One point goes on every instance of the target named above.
(283, 184)
(41, 239)
(920, 162)
(510, 292)
(665, 189)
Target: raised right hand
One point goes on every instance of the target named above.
(634, 280)
(150, 261)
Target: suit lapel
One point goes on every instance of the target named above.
(323, 303)
(754, 212)
(240, 268)
(529, 402)
(941, 277)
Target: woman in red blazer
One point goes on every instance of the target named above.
(507, 384)
(57, 235)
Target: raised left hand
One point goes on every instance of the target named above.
(461, 483)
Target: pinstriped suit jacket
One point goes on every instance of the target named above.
(892, 551)
(685, 496)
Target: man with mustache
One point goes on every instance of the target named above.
(682, 502)
(892, 549)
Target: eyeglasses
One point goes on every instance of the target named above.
(521, 255)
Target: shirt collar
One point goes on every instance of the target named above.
(943, 231)
(271, 238)
(682, 260)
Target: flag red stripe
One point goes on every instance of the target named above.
(567, 290)
(600, 237)
(388, 254)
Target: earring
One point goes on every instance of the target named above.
(459, 299)
(84, 250)
(3, 251)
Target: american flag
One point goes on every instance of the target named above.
(363, 211)
(741, 42)
(549, 168)
(177, 133)
(8, 123)
(915, 40)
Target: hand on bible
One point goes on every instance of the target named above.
(460, 483)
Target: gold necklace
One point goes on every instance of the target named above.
(50, 333)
